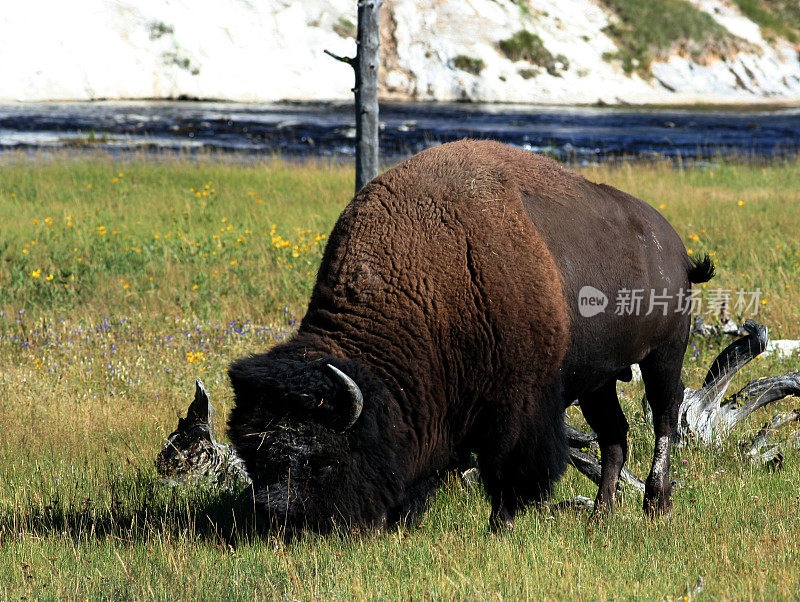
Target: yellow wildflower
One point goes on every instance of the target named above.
(195, 358)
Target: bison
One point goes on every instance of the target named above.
(445, 320)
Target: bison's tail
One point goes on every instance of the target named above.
(701, 270)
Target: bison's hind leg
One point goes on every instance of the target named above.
(661, 372)
(522, 459)
(603, 413)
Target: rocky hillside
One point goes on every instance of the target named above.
(540, 51)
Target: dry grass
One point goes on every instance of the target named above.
(93, 373)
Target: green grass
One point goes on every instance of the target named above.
(345, 28)
(653, 29)
(527, 46)
(93, 374)
(469, 64)
(96, 229)
(777, 18)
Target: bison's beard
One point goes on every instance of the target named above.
(281, 507)
(289, 512)
(305, 477)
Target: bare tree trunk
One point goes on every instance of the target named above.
(367, 91)
(365, 64)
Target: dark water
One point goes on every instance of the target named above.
(581, 134)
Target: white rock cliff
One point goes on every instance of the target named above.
(251, 50)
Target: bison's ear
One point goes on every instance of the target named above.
(201, 411)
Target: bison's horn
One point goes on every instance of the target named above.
(353, 392)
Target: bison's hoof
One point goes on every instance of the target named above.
(604, 503)
(657, 507)
(501, 525)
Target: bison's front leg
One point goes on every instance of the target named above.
(494, 468)
(603, 413)
(523, 455)
(661, 372)
(504, 509)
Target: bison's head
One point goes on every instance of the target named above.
(296, 426)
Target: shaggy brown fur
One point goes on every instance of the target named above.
(448, 293)
(438, 296)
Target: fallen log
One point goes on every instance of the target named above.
(763, 450)
(707, 417)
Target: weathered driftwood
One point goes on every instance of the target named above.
(703, 415)
(707, 417)
(584, 455)
(763, 450)
(192, 452)
(725, 325)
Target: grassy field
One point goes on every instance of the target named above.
(121, 281)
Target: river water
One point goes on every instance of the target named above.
(575, 134)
